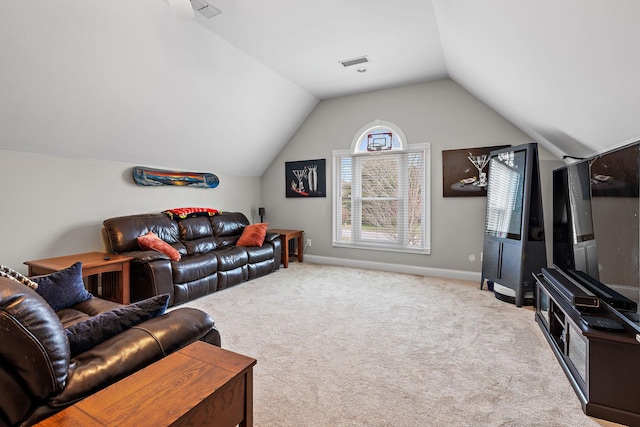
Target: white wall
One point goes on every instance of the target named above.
(126, 81)
(439, 112)
(55, 206)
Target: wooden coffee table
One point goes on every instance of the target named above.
(114, 285)
(200, 385)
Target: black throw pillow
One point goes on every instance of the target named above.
(63, 288)
(88, 333)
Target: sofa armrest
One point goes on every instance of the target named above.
(132, 350)
(274, 240)
(159, 275)
(145, 256)
(270, 237)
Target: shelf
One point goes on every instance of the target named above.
(602, 366)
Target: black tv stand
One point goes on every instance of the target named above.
(601, 364)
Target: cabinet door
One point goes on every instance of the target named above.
(511, 264)
(491, 259)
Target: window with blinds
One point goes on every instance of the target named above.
(381, 196)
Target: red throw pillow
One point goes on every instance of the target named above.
(151, 241)
(253, 235)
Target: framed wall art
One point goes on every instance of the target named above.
(306, 178)
(464, 171)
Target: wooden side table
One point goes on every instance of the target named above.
(199, 385)
(113, 286)
(286, 236)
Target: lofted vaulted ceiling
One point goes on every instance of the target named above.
(128, 81)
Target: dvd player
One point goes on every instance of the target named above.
(573, 291)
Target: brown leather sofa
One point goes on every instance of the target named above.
(39, 374)
(210, 261)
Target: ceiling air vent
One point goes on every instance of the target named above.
(355, 61)
(205, 9)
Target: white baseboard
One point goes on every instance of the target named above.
(396, 268)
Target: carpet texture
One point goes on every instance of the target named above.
(343, 346)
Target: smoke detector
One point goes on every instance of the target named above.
(355, 61)
(205, 9)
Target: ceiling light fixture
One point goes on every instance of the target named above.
(362, 70)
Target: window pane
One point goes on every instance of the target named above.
(380, 221)
(380, 176)
(415, 197)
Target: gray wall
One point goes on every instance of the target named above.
(55, 206)
(439, 112)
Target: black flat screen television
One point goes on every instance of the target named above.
(596, 226)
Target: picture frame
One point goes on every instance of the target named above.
(306, 178)
(465, 172)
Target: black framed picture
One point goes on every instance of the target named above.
(306, 178)
(464, 173)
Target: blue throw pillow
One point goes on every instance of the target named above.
(63, 288)
(88, 333)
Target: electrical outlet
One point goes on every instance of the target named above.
(308, 242)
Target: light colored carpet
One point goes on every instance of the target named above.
(342, 346)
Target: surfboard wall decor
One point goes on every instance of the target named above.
(152, 177)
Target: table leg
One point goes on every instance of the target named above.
(248, 399)
(124, 285)
(300, 247)
(285, 251)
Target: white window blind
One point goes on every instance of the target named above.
(382, 200)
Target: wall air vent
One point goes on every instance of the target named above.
(355, 61)
(205, 9)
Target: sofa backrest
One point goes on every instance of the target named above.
(34, 351)
(121, 232)
(228, 227)
(188, 235)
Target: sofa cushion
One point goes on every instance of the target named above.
(97, 329)
(263, 253)
(63, 288)
(227, 227)
(253, 235)
(151, 241)
(132, 350)
(196, 234)
(231, 257)
(194, 267)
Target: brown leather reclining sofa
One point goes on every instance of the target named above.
(210, 260)
(40, 374)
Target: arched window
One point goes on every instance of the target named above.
(378, 136)
(381, 191)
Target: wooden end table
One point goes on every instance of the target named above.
(199, 385)
(114, 286)
(286, 236)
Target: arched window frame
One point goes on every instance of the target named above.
(378, 125)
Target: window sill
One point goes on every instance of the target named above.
(374, 247)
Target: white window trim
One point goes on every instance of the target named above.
(426, 194)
